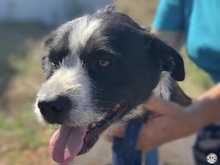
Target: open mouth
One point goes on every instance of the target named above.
(68, 142)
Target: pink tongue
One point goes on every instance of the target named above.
(66, 143)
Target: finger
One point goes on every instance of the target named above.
(160, 106)
(149, 138)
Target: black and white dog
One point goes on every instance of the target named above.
(99, 68)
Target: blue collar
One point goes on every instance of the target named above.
(124, 152)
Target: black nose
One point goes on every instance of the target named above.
(53, 110)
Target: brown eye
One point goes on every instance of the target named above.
(104, 63)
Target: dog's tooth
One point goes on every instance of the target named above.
(56, 126)
(93, 125)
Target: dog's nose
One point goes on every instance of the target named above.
(53, 106)
(52, 110)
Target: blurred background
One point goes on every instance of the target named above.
(23, 28)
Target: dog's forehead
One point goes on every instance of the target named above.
(72, 32)
(82, 32)
(92, 32)
(77, 34)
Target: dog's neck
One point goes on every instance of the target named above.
(168, 89)
(162, 89)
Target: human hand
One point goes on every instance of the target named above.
(169, 122)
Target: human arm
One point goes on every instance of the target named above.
(173, 121)
(169, 23)
(175, 39)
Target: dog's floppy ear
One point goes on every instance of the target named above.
(170, 60)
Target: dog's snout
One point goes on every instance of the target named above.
(53, 106)
(53, 110)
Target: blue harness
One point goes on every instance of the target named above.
(123, 150)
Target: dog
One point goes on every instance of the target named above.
(99, 68)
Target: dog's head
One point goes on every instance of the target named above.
(98, 68)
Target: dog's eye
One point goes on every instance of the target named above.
(55, 65)
(103, 63)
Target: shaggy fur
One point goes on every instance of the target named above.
(79, 92)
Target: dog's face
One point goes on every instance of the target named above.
(98, 68)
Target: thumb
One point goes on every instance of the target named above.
(159, 106)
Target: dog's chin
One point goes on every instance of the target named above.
(68, 142)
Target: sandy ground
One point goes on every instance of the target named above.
(175, 153)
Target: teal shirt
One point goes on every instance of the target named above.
(200, 19)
